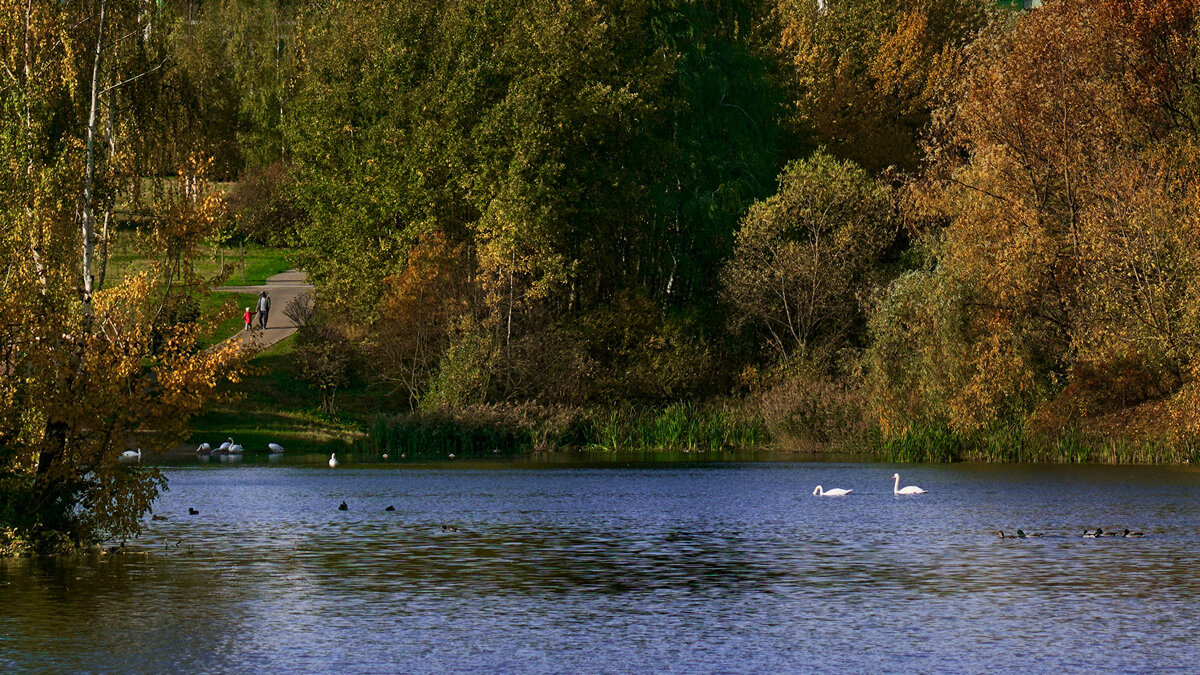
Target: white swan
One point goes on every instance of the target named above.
(907, 490)
(275, 447)
(836, 492)
(204, 449)
(235, 449)
(333, 460)
(225, 446)
(130, 456)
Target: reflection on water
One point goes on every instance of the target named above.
(683, 568)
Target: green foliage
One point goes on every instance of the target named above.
(573, 156)
(806, 256)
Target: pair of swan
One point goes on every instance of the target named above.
(896, 490)
(226, 448)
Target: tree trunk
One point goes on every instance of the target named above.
(89, 208)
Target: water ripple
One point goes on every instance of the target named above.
(708, 568)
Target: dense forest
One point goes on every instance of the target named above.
(940, 226)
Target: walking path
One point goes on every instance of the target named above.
(282, 289)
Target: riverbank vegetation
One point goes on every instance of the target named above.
(860, 223)
(944, 229)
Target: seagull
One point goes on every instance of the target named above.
(452, 455)
(333, 460)
(385, 455)
(275, 448)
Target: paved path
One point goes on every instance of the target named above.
(281, 288)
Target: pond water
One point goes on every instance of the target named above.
(688, 568)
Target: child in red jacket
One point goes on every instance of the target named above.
(248, 317)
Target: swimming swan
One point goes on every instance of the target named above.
(907, 490)
(131, 456)
(333, 461)
(275, 448)
(836, 492)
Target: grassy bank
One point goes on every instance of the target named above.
(272, 405)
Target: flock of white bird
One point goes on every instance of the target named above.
(896, 489)
(231, 449)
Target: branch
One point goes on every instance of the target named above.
(135, 77)
(981, 190)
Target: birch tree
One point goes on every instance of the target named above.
(89, 365)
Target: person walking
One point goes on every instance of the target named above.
(264, 308)
(248, 317)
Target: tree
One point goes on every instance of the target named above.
(1056, 211)
(87, 361)
(572, 156)
(863, 75)
(805, 257)
(323, 358)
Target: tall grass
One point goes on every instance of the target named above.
(679, 426)
(1009, 443)
(484, 431)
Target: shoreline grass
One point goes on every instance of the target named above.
(272, 405)
(487, 431)
(1010, 444)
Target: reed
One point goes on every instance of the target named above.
(677, 427)
(485, 431)
(1010, 443)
